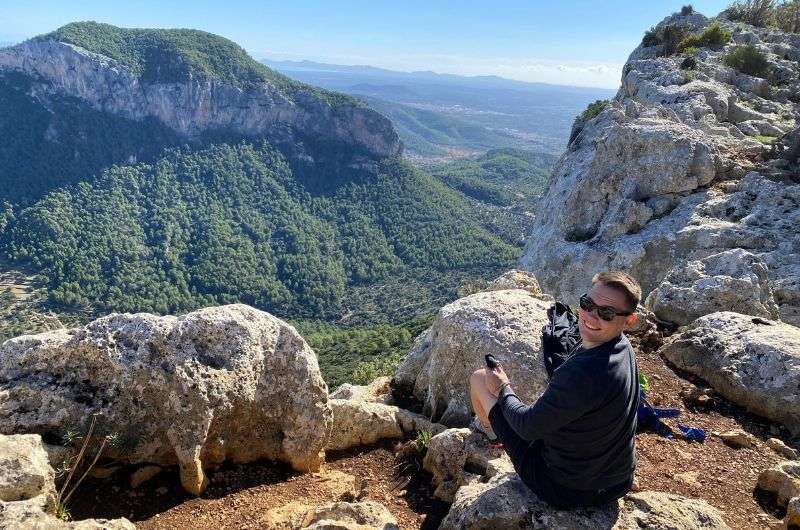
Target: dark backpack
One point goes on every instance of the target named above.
(560, 336)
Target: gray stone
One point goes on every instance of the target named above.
(506, 324)
(222, 383)
(750, 361)
(734, 280)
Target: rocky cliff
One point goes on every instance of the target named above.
(161, 80)
(692, 158)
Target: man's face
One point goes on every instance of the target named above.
(593, 329)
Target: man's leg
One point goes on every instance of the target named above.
(482, 400)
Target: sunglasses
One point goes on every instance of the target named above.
(605, 312)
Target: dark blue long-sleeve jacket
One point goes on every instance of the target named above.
(586, 417)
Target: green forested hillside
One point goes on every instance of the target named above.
(232, 223)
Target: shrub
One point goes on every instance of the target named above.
(422, 442)
(671, 38)
(713, 35)
(747, 59)
(787, 16)
(687, 10)
(689, 63)
(594, 109)
(650, 38)
(760, 13)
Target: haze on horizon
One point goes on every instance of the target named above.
(576, 42)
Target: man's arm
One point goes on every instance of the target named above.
(568, 396)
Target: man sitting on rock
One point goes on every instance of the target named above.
(575, 445)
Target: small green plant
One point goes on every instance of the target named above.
(760, 13)
(747, 59)
(687, 10)
(689, 76)
(650, 38)
(422, 442)
(71, 467)
(713, 35)
(766, 139)
(62, 512)
(671, 38)
(594, 109)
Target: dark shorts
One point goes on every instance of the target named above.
(531, 468)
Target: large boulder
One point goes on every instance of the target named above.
(734, 280)
(222, 383)
(668, 173)
(505, 503)
(505, 323)
(751, 361)
(28, 491)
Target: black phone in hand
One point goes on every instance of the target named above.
(491, 362)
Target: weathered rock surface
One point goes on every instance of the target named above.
(670, 172)
(505, 503)
(734, 280)
(378, 391)
(457, 457)
(782, 449)
(27, 490)
(750, 361)
(506, 323)
(783, 480)
(25, 471)
(738, 439)
(222, 383)
(357, 423)
(198, 105)
(368, 515)
(516, 279)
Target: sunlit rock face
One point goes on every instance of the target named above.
(679, 167)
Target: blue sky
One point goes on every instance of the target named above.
(578, 42)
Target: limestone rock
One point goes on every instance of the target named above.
(505, 323)
(734, 280)
(792, 519)
(196, 106)
(367, 515)
(25, 471)
(783, 480)
(750, 361)
(222, 383)
(738, 439)
(515, 279)
(456, 457)
(664, 175)
(28, 491)
(782, 449)
(143, 474)
(357, 423)
(505, 503)
(379, 391)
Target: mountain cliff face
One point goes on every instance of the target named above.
(692, 158)
(183, 78)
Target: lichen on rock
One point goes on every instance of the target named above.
(222, 383)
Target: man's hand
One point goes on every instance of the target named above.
(496, 378)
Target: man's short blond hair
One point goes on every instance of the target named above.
(621, 282)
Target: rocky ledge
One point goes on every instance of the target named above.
(690, 160)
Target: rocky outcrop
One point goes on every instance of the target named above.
(222, 383)
(505, 503)
(734, 280)
(750, 361)
(195, 106)
(28, 493)
(672, 171)
(359, 423)
(505, 323)
(368, 515)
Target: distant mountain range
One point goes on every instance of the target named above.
(446, 115)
